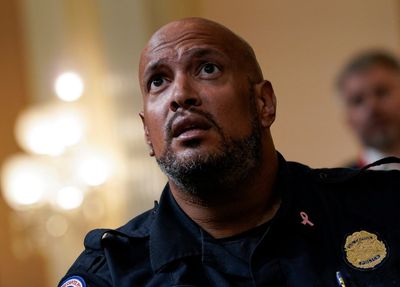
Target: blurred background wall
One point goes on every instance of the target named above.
(73, 158)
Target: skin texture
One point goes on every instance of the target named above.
(372, 105)
(202, 91)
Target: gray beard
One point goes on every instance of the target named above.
(213, 175)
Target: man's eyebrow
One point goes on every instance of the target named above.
(154, 66)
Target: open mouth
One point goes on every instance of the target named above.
(189, 126)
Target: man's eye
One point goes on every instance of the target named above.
(356, 100)
(156, 82)
(209, 69)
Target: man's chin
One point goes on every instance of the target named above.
(380, 141)
(196, 152)
(193, 169)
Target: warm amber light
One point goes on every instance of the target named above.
(56, 225)
(69, 197)
(26, 181)
(69, 86)
(49, 129)
(93, 167)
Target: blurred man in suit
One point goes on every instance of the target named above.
(369, 86)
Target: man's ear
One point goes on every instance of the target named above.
(146, 134)
(266, 103)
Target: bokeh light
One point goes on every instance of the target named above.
(93, 167)
(49, 129)
(69, 86)
(69, 197)
(56, 225)
(26, 181)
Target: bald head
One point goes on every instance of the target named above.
(201, 31)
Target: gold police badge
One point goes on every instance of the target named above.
(364, 250)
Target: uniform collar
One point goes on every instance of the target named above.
(173, 235)
(283, 185)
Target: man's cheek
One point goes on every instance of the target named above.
(157, 137)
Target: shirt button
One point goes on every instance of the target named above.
(323, 175)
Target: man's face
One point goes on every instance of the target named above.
(372, 99)
(198, 100)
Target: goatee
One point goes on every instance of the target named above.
(207, 176)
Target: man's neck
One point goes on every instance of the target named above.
(251, 204)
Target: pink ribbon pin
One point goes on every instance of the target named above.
(305, 221)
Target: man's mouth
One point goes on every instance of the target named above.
(189, 126)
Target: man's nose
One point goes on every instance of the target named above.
(372, 103)
(184, 94)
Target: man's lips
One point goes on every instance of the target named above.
(378, 122)
(189, 123)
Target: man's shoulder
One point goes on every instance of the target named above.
(321, 175)
(365, 193)
(91, 266)
(343, 176)
(138, 227)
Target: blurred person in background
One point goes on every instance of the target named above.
(369, 86)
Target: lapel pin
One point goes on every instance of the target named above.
(305, 221)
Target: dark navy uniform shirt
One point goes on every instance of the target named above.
(332, 223)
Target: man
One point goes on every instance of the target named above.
(370, 89)
(234, 212)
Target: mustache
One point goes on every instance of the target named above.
(209, 117)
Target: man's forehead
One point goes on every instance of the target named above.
(176, 38)
(180, 30)
(181, 36)
(375, 74)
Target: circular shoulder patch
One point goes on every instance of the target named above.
(74, 281)
(364, 250)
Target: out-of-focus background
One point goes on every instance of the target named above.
(72, 152)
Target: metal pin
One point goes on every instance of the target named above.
(340, 279)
